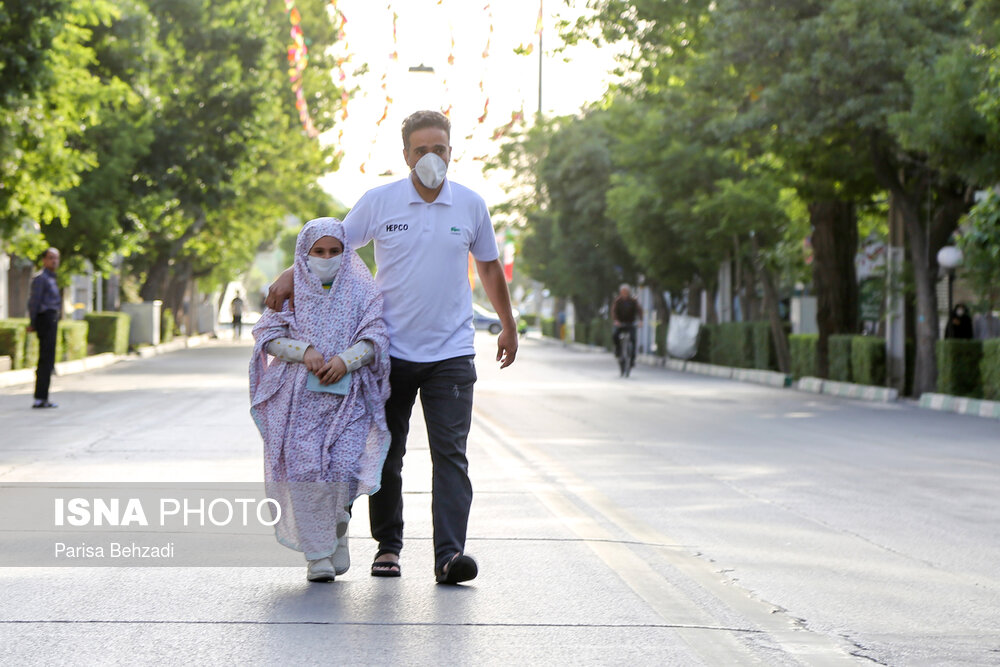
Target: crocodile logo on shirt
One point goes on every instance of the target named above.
(456, 230)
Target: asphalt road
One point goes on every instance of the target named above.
(663, 519)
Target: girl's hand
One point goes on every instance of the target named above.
(332, 371)
(313, 360)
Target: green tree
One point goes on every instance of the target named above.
(228, 158)
(829, 78)
(104, 215)
(980, 243)
(570, 244)
(48, 97)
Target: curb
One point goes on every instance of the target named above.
(769, 378)
(958, 404)
(27, 375)
(847, 390)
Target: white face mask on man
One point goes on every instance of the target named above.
(324, 268)
(431, 170)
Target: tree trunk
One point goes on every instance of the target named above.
(178, 286)
(781, 351)
(155, 285)
(926, 235)
(926, 232)
(835, 244)
(694, 290)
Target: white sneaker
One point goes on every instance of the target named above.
(320, 570)
(342, 556)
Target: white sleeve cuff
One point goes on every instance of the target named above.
(288, 349)
(356, 356)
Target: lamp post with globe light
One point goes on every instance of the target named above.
(950, 258)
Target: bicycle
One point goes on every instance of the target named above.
(625, 347)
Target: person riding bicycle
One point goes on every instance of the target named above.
(625, 312)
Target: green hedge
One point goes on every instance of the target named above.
(958, 367)
(706, 336)
(868, 360)
(108, 332)
(661, 339)
(530, 319)
(21, 345)
(733, 345)
(549, 327)
(600, 333)
(580, 333)
(30, 349)
(840, 349)
(765, 357)
(167, 325)
(71, 342)
(13, 334)
(989, 369)
(802, 348)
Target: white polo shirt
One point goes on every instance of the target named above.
(421, 254)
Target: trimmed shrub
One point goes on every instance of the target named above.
(580, 333)
(661, 338)
(549, 327)
(840, 357)
(108, 332)
(530, 319)
(600, 333)
(12, 341)
(167, 325)
(989, 369)
(705, 337)
(802, 348)
(868, 360)
(733, 345)
(764, 356)
(72, 340)
(958, 367)
(30, 343)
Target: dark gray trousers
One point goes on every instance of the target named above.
(445, 389)
(47, 328)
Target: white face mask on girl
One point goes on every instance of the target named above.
(431, 170)
(324, 268)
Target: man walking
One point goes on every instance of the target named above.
(424, 227)
(236, 310)
(44, 310)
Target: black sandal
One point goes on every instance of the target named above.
(386, 568)
(460, 568)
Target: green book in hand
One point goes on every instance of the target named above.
(341, 386)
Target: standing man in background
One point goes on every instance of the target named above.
(44, 311)
(424, 227)
(236, 308)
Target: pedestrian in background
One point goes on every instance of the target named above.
(959, 323)
(625, 312)
(236, 309)
(424, 226)
(44, 311)
(320, 403)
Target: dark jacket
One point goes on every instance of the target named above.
(45, 296)
(626, 310)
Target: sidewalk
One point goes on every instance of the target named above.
(93, 362)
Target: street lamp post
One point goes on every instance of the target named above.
(949, 258)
